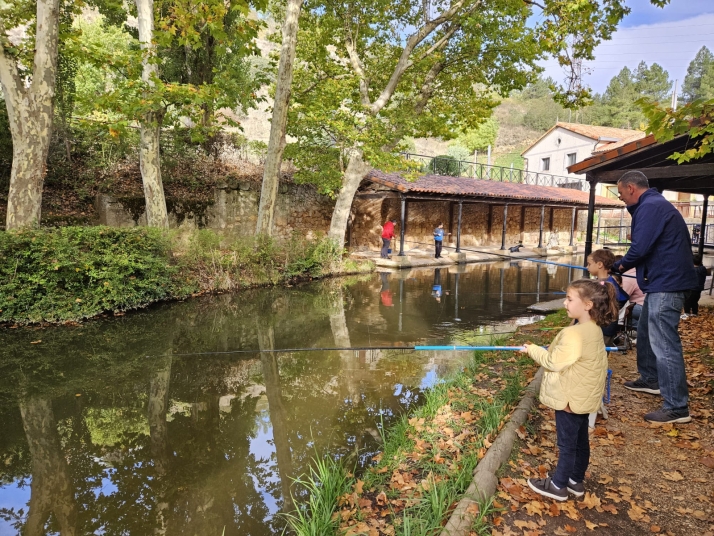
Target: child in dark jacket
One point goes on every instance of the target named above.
(599, 265)
(691, 297)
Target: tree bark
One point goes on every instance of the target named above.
(30, 111)
(357, 168)
(51, 490)
(276, 144)
(149, 155)
(159, 437)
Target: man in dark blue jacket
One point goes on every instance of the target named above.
(661, 250)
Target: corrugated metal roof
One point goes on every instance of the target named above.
(492, 190)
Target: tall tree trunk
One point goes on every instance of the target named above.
(51, 489)
(30, 110)
(357, 168)
(149, 155)
(276, 144)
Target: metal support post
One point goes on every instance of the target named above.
(572, 226)
(591, 217)
(458, 229)
(599, 217)
(401, 227)
(703, 227)
(505, 221)
(619, 231)
(540, 230)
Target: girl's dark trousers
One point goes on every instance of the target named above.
(574, 446)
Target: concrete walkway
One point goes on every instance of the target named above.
(418, 255)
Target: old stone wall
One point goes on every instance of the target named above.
(301, 209)
(234, 209)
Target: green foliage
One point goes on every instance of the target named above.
(336, 106)
(479, 138)
(444, 165)
(78, 272)
(202, 57)
(543, 113)
(325, 484)
(617, 106)
(699, 81)
(695, 118)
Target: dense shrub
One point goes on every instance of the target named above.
(71, 273)
(444, 165)
(77, 272)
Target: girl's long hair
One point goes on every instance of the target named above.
(603, 297)
(605, 256)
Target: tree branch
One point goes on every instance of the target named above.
(357, 66)
(404, 63)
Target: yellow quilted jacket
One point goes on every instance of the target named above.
(575, 368)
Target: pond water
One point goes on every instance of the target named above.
(147, 423)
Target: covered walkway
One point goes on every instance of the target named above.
(473, 211)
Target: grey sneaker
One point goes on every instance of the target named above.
(642, 386)
(544, 486)
(666, 416)
(576, 488)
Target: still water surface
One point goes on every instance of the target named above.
(106, 429)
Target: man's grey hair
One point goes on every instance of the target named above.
(636, 179)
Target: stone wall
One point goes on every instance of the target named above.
(523, 223)
(301, 209)
(234, 209)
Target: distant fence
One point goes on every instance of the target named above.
(460, 168)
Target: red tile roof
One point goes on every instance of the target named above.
(490, 190)
(594, 133)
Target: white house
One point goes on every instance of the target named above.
(567, 143)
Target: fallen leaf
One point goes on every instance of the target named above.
(570, 528)
(674, 476)
(655, 529)
(706, 460)
(605, 479)
(590, 501)
(358, 487)
(589, 525)
(36, 342)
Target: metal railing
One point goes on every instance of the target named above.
(439, 165)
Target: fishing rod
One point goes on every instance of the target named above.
(569, 266)
(364, 348)
(464, 249)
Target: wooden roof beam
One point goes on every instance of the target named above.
(663, 172)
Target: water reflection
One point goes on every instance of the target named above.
(110, 428)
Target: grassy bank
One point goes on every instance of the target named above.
(429, 455)
(74, 273)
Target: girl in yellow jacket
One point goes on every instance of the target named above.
(573, 381)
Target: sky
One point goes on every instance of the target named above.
(669, 36)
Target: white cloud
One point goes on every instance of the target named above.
(670, 44)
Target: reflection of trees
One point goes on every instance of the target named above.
(200, 466)
(271, 379)
(52, 488)
(159, 435)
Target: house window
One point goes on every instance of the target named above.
(545, 164)
(570, 159)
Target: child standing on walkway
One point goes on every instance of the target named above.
(575, 370)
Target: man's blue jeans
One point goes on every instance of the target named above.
(659, 348)
(571, 430)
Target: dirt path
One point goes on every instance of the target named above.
(643, 479)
